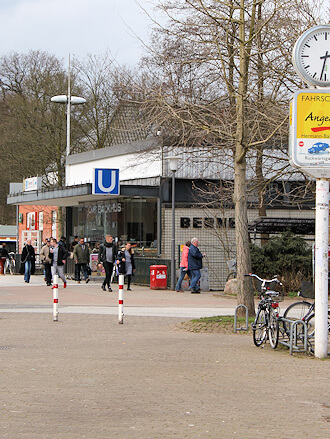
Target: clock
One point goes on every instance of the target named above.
(311, 56)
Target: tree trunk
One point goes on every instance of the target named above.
(244, 293)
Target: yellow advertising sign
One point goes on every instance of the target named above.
(310, 131)
(313, 115)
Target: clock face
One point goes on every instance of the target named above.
(311, 56)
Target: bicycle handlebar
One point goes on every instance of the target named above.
(264, 280)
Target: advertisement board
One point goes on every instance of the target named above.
(96, 271)
(310, 132)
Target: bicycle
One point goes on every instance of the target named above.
(265, 324)
(10, 263)
(304, 311)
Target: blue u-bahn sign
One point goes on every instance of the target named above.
(106, 181)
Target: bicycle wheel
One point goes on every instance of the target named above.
(260, 328)
(296, 311)
(311, 332)
(273, 329)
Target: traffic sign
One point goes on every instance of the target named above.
(106, 181)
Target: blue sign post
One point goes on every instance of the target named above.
(106, 181)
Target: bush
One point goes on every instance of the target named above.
(287, 256)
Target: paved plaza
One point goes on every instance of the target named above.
(86, 376)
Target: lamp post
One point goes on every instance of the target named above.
(173, 162)
(69, 100)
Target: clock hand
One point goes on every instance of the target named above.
(325, 57)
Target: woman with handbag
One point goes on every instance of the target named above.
(126, 264)
(183, 266)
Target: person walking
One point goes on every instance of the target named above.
(194, 265)
(46, 260)
(183, 266)
(81, 256)
(28, 261)
(107, 255)
(58, 255)
(126, 263)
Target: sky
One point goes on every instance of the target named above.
(78, 27)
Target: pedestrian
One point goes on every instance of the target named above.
(194, 265)
(62, 241)
(107, 255)
(3, 251)
(74, 243)
(183, 266)
(58, 255)
(126, 263)
(28, 261)
(47, 261)
(81, 256)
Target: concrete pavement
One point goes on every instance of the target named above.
(86, 376)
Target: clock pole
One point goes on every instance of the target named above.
(311, 61)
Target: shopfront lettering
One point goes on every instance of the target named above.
(207, 223)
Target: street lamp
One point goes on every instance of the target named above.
(69, 100)
(173, 162)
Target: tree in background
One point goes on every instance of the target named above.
(220, 75)
(287, 256)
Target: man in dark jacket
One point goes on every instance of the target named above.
(107, 256)
(81, 256)
(194, 265)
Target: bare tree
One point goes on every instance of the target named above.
(220, 74)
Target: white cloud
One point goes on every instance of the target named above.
(75, 26)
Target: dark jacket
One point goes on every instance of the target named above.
(62, 255)
(4, 253)
(28, 254)
(194, 258)
(121, 265)
(81, 255)
(102, 255)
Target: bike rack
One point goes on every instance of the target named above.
(246, 317)
(294, 343)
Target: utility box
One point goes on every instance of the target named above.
(158, 277)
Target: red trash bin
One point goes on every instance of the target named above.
(2, 265)
(158, 277)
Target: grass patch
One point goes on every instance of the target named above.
(214, 324)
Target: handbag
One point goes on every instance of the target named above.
(89, 270)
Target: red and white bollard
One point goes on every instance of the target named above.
(55, 298)
(121, 299)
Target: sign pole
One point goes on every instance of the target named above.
(55, 298)
(121, 299)
(321, 268)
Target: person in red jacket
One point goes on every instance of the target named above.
(183, 266)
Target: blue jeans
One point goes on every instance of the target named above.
(195, 276)
(27, 271)
(182, 275)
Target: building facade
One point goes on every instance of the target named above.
(138, 208)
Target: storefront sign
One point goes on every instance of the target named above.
(208, 223)
(32, 184)
(106, 181)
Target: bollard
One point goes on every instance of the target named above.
(55, 298)
(121, 299)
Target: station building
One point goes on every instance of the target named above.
(125, 190)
